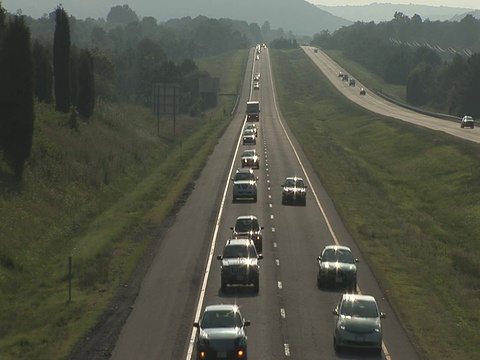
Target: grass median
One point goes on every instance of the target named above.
(408, 195)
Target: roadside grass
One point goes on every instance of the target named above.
(408, 195)
(374, 82)
(98, 193)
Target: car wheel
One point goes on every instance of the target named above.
(319, 283)
(256, 286)
(255, 142)
(337, 347)
(255, 198)
(461, 126)
(223, 287)
(234, 199)
(283, 200)
(377, 352)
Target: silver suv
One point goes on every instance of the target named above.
(467, 121)
(245, 185)
(240, 264)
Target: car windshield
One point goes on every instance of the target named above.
(221, 319)
(359, 308)
(248, 132)
(243, 225)
(243, 176)
(340, 255)
(238, 251)
(249, 153)
(294, 183)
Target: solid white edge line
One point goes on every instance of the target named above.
(214, 238)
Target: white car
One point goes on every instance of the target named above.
(251, 159)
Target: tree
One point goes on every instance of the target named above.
(43, 84)
(61, 61)
(16, 95)
(86, 85)
(2, 20)
(122, 15)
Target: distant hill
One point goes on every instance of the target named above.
(384, 12)
(298, 16)
(475, 14)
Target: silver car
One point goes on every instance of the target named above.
(245, 185)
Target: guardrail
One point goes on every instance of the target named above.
(420, 111)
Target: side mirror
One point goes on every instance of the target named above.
(382, 315)
(356, 261)
(246, 323)
(232, 179)
(335, 312)
(305, 186)
(282, 186)
(231, 227)
(219, 257)
(261, 227)
(319, 258)
(260, 256)
(196, 324)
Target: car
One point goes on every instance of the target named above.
(250, 158)
(294, 191)
(363, 92)
(249, 137)
(244, 185)
(240, 264)
(257, 58)
(467, 121)
(345, 77)
(247, 226)
(337, 266)
(358, 323)
(253, 127)
(256, 85)
(340, 75)
(256, 77)
(351, 82)
(315, 51)
(222, 333)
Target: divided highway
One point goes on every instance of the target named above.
(291, 318)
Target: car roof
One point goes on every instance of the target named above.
(244, 170)
(243, 241)
(293, 178)
(244, 217)
(224, 307)
(358, 297)
(337, 247)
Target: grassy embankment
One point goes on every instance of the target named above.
(372, 81)
(97, 193)
(408, 195)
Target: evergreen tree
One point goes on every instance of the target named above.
(43, 73)
(61, 61)
(2, 20)
(16, 95)
(86, 85)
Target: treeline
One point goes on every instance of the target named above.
(28, 71)
(435, 60)
(129, 53)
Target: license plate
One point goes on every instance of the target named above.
(222, 355)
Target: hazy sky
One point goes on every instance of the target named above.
(469, 4)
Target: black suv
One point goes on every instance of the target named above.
(294, 191)
(337, 266)
(240, 264)
(222, 333)
(247, 226)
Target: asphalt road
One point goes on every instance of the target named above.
(291, 318)
(380, 106)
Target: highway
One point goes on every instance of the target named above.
(380, 106)
(291, 318)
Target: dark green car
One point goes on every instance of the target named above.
(337, 267)
(358, 323)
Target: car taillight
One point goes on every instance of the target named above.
(241, 353)
(203, 355)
